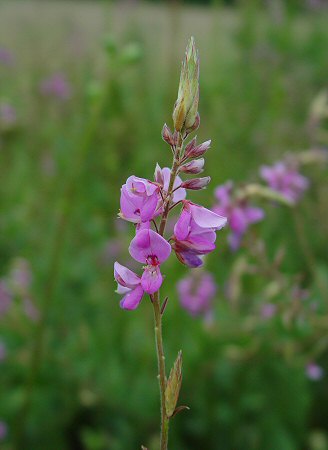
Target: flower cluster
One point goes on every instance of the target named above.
(238, 210)
(56, 86)
(285, 179)
(147, 203)
(196, 293)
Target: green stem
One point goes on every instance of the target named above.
(161, 369)
(157, 306)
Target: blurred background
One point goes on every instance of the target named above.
(85, 88)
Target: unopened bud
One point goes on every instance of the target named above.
(190, 146)
(199, 150)
(158, 175)
(167, 135)
(195, 125)
(195, 166)
(186, 107)
(196, 184)
(173, 386)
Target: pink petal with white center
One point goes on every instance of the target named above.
(125, 277)
(122, 290)
(151, 279)
(132, 299)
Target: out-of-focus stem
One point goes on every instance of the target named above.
(58, 244)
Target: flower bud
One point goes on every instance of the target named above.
(195, 166)
(199, 150)
(186, 107)
(173, 386)
(196, 184)
(158, 175)
(190, 146)
(195, 125)
(167, 135)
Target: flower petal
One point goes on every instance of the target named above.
(182, 227)
(148, 243)
(132, 299)
(125, 277)
(149, 207)
(206, 218)
(151, 279)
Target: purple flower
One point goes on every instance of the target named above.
(139, 200)
(194, 233)
(285, 179)
(148, 248)
(8, 116)
(5, 298)
(56, 86)
(3, 430)
(6, 57)
(197, 293)
(239, 213)
(162, 176)
(268, 310)
(314, 371)
(3, 351)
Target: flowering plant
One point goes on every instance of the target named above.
(148, 204)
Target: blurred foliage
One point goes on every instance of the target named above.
(80, 373)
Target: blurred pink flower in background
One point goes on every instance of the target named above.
(197, 292)
(56, 86)
(6, 57)
(5, 298)
(314, 371)
(268, 310)
(3, 430)
(285, 179)
(239, 213)
(8, 116)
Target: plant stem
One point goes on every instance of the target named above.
(161, 369)
(157, 306)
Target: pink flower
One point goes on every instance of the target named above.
(56, 86)
(314, 371)
(197, 293)
(8, 116)
(148, 248)
(285, 179)
(268, 310)
(239, 213)
(194, 233)
(162, 176)
(139, 200)
(6, 57)
(3, 430)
